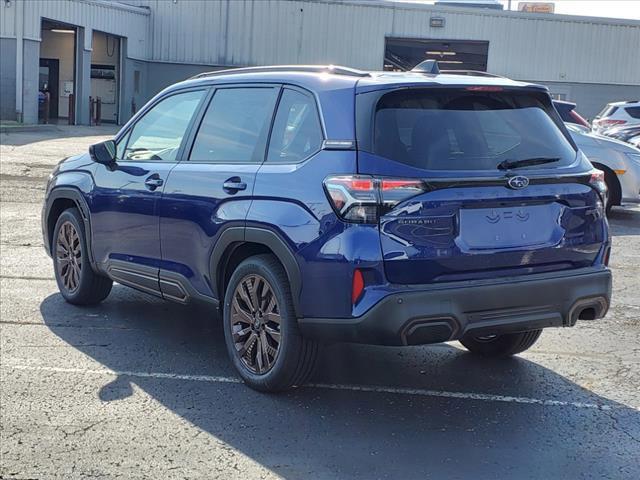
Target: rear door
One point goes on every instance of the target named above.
(504, 191)
(211, 189)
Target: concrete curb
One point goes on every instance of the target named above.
(28, 128)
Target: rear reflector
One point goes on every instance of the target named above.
(357, 287)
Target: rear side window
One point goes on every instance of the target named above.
(462, 130)
(607, 111)
(633, 112)
(235, 127)
(296, 133)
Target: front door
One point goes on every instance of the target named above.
(211, 190)
(124, 204)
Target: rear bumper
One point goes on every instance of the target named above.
(439, 313)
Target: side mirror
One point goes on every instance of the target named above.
(104, 152)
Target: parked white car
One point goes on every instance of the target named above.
(619, 161)
(617, 114)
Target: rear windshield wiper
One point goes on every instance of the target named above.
(527, 162)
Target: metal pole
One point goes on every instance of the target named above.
(19, 60)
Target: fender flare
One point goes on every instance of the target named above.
(261, 236)
(76, 196)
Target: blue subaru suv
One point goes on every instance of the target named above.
(320, 204)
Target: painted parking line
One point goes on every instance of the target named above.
(328, 386)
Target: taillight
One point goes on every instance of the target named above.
(597, 182)
(610, 123)
(362, 198)
(578, 118)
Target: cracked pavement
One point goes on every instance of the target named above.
(141, 388)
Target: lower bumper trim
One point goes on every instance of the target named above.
(431, 316)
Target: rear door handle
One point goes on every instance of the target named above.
(153, 182)
(233, 185)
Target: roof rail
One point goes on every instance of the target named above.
(473, 73)
(334, 69)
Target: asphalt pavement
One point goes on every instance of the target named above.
(141, 388)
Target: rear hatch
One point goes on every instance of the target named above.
(477, 183)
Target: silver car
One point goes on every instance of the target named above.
(619, 161)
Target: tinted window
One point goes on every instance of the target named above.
(296, 131)
(158, 134)
(236, 125)
(607, 111)
(633, 111)
(120, 146)
(461, 130)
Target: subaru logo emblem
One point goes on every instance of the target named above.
(518, 182)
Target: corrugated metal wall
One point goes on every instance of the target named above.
(255, 32)
(350, 32)
(110, 17)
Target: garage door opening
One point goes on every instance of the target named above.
(57, 72)
(405, 53)
(105, 77)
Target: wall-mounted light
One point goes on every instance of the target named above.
(60, 30)
(436, 22)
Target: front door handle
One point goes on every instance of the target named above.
(233, 185)
(153, 182)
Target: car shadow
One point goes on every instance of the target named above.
(338, 432)
(624, 220)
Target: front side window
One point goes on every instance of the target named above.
(159, 133)
(235, 127)
(463, 130)
(296, 131)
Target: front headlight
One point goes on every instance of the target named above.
(635, 157)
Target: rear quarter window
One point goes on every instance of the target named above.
(633, 112)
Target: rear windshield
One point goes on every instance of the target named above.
(607, 111)
(463, 130)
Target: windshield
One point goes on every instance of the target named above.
(464, 130)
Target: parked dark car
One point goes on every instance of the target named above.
(568, 113)
(317, 204)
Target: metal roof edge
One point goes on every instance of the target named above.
(553, 17)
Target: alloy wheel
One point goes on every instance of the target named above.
(255, 324)
(69, 256)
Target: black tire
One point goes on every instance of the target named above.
(89, 288)
(296, 356)
(501, 345)
(613, 189)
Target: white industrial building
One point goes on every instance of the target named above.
(126, 51)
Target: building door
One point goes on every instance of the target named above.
(48, 82)
(405, 53)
